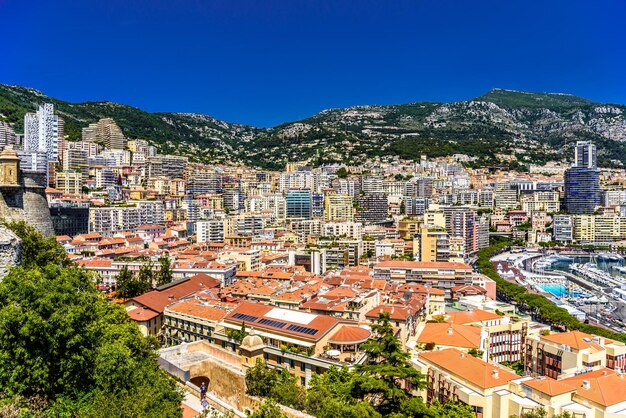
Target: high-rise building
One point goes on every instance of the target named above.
(338, 207)
(106, 132)
(70, 182)
(464, 222)
(105, 177)
(41, 131)
(562, 228)
(582, 180)
(70, 217)
(371, 208)
(317, 205)
(432, 245)
(585, 154)
(210, 231)
(505, 196)
(7, 134)
(76, 160)
(298, 204)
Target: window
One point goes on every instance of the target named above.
(302, 381)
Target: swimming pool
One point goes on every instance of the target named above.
(557, 290)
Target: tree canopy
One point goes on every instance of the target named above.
(66, 352)
(383, 386)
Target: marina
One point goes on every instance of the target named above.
(591, 287)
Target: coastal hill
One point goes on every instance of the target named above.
(501, 127)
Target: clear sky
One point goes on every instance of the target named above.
(264, 62)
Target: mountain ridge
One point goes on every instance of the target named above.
(501, 127)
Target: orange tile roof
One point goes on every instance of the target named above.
(321, 323)
(350, 335)
(340, 292)
(450, 335)
(199, 309)
(396, 312)
(575, 339)
(471, 316)
(157, 300)
(549, 386)
(142, 314)
(468, 368)
(606, 390)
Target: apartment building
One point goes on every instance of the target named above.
(210, 231)
(567, 354)
(338, 207)
(494, 392)
(70, 182)
(442, 276)
(541, 201)
(107, 132)
(111, 219)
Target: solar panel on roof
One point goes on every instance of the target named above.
(272, 323)
(244, 317)
(302, 330)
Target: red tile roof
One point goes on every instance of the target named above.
(320, 324)
(350, 335)
(157, 300)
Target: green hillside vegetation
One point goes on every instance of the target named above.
(516, 99)
(501, 128)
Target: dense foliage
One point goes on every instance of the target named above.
(382, 386)
(130, 285)
(538, 306)
(66, 352)
(165, 273)
(36, 249)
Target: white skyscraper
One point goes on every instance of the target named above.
(41, 131)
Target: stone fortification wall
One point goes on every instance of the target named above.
(28, 203)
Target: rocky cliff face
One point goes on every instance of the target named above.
(10, 251)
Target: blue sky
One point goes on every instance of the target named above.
(265, 62)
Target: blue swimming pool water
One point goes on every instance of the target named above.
(557, 290)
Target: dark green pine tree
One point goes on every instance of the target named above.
(165, 274)
(387, 377)
(125, 284)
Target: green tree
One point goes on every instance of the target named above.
(165, 274)
(387, 376)
(237, 335)
(37, 250)
(330, 395)
(63, 344)
(268, 409)
(126, 284)
(260, 379)
(145, 277)
(287, 391)
(540, 412)
(342, 173)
